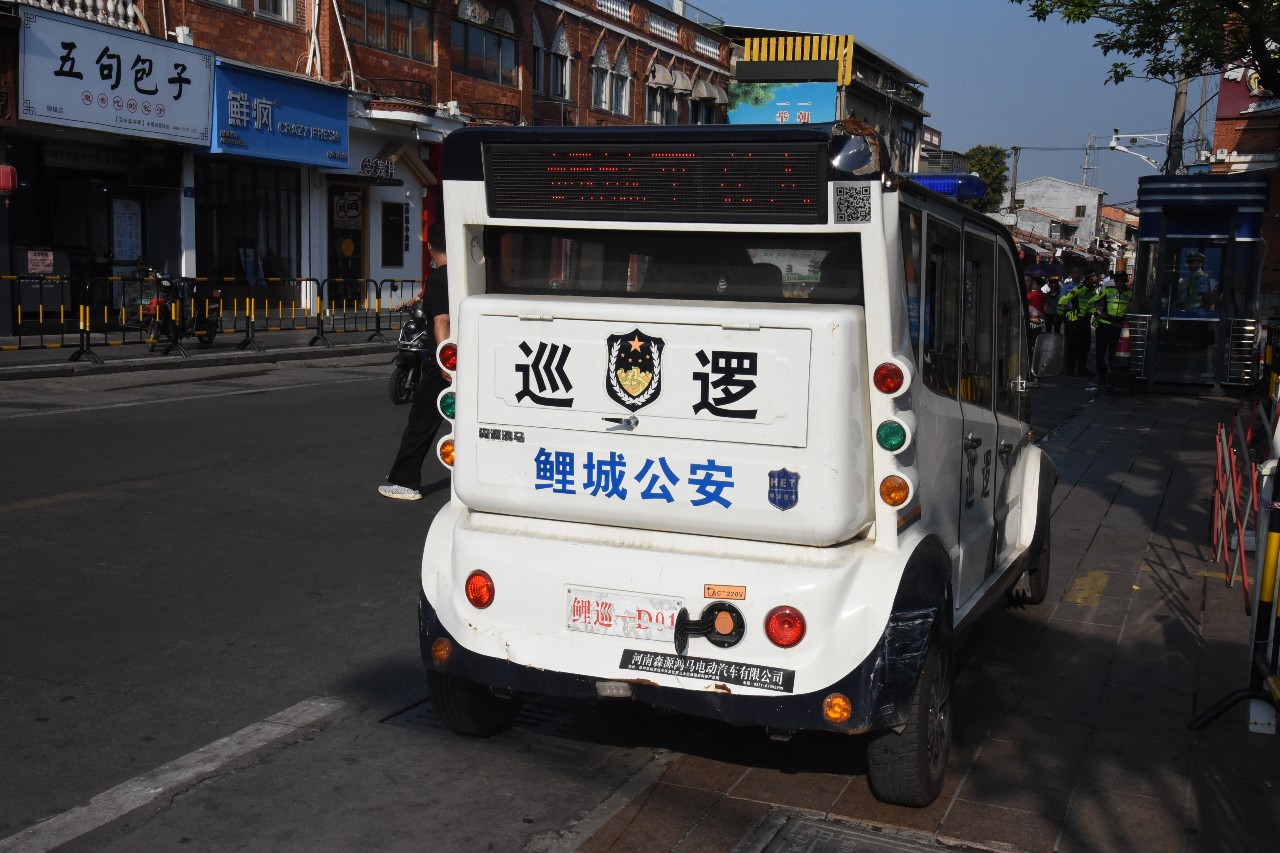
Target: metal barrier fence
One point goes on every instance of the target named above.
(55, 312)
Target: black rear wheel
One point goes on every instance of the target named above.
(400, 385)
(467, 708)
(907, 768)
(206, 331)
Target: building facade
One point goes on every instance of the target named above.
(868, 87)
(283, 140)
(1246, 139)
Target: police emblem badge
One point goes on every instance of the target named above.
(634, 374)
(784, 488)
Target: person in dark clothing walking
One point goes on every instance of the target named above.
(404, 482)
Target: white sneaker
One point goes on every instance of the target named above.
(400, 493)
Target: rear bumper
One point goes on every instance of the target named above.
(533, 654)
(880, 687)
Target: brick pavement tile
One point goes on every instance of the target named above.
(722, 827)
(1227, 815)
(1138, 709)
(656, 820)
(1156, 767)
(1110, 610)
(1228, 750)
(694, 771)
(812, 791)
(1111, 821)
(992, 826)
(857, 803)
(1034, 778)
(1058, 735)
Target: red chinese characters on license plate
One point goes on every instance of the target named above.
(621, 614)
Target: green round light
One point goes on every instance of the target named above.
(891, 435)
(447, 404)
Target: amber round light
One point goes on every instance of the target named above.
(837, 708)
(888, 378)
(448, 356)
(479, 589)
(784, 626)
(894, 490)
(445, 451)
(441, 651)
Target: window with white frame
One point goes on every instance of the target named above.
(600, 69)
(396, 26)
(483, 43)
(558, 69)
(540, 57)
(620, 97)
(280, 10)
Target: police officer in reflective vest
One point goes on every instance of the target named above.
(1073, 305)
(1109, 308)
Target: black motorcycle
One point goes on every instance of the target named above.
(415, 353)
(179, 311)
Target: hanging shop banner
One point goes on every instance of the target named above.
(278, 118)
(782, 103)
(86, 75)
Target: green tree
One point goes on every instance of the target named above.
(751, 94)
(989, 163)
(1168, 39)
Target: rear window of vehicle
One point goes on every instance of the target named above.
(685, 265)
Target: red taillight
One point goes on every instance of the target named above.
(479, 589)
(448, 356)
(888, 378)
(784, 626)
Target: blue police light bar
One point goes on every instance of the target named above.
(959, 186)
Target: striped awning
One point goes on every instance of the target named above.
(681, 83)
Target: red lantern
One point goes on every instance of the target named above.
(8, 179)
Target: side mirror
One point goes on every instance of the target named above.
(1048, 356)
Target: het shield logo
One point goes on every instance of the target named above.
(634, 374)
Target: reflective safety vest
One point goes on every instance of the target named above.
(1072, 304)
(1111, 304)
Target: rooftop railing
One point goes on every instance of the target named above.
(112, 13)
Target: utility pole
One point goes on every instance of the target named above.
(1173, 159)
(1085, 177)
(1013, 189)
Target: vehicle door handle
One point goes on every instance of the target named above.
(1006, 448)
(629, 422)
(972, 442)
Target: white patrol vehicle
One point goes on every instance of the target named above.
(739, 429)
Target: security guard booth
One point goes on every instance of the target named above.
(1195, 313)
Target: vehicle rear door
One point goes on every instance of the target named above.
(978, 441)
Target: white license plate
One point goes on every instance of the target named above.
(621, 614)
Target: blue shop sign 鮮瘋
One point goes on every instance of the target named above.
(277, 118)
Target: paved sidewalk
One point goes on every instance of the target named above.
(1071, 717)
(283, 345)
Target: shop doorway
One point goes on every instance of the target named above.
(347, 264)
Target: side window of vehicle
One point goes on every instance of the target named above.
(1011, 341)
(977, 335)
(940, 356)
(911, 236)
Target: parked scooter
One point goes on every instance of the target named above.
(205, 313)
(415, 352)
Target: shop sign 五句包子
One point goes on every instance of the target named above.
(80, 74)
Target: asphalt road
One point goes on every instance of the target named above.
(186, 555)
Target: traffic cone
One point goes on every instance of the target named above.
(1120, 375)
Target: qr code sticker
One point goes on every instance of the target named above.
(853, 203)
